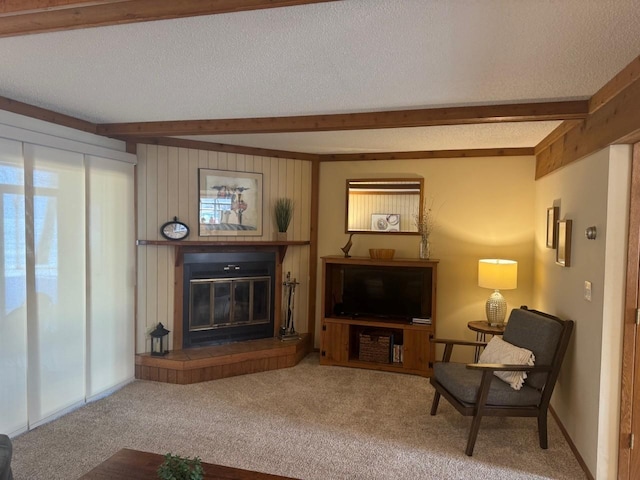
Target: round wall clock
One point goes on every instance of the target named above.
(174, 230)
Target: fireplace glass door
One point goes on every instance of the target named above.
(229, 302)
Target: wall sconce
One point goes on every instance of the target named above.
(591, 233)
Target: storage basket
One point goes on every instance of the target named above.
(376, 347)
(382, 253)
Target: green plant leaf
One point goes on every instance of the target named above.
(283, 209)
(175, 467)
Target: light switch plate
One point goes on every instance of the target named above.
(587, 291)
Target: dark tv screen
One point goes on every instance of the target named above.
(402, 293)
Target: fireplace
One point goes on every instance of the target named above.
(227, 297)
(243, 266)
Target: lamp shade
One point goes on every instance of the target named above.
(497, 274)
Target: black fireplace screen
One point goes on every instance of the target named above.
(227, 297)
(229, 302)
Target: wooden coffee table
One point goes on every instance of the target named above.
(129, 464)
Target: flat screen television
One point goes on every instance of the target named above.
(385, 292)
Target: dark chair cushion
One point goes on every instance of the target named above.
(5, 458)
(537, 333)
(464, 384)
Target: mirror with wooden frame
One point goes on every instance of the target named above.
(383, 205)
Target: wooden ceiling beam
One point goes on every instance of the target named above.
(613, 119)
(72, 122)
(425, 154)
(222, 147)
(563, 128)
(39, 16)
(46, 115)
(522, 112)
(19, 7)
(613, 87)
(348, 157)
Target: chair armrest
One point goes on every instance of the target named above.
(458, 342)
(446, 356)
(501, 367)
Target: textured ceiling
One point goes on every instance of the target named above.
(337, 57)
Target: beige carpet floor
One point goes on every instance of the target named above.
(307, 422)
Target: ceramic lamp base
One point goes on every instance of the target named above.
(496, 308)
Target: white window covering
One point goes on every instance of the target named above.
(13, 310)
(56, 306)
(111, 273)
(66, 290)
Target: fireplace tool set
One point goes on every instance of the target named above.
(287, 330)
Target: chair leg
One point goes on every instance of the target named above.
(542, 428)
(434, 404)
(483, 393)
(473, 433)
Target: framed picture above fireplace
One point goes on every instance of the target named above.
(230, 203)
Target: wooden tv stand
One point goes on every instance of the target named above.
(341, 335)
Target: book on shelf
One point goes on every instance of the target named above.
(398, 353)
(421, 321)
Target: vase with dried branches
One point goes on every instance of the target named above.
(425, 221)
(283, 209)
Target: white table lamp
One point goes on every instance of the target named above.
(497, 274)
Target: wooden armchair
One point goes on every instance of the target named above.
(475, 391)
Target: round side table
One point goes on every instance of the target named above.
(482, 328)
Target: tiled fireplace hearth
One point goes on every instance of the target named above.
(229, 298)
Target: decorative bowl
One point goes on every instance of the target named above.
(381, 253)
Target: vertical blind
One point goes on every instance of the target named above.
(111, 274)
(13, 291)
(55, 213)
(66, 293)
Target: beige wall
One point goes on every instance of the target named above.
(167, 186)
(484, 209)
(591, 192)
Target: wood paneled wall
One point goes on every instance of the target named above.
(167, 186)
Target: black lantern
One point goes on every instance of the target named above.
(157, 341)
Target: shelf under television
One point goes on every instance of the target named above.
(378, 322)
(386, 367)
(340, 344)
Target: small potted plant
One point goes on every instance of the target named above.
(176, 467)
(283, 210)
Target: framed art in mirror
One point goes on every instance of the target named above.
(230, 203)
(383, 205)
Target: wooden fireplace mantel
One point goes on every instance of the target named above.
(194, 244)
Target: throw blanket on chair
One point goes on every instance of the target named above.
(499, 351)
